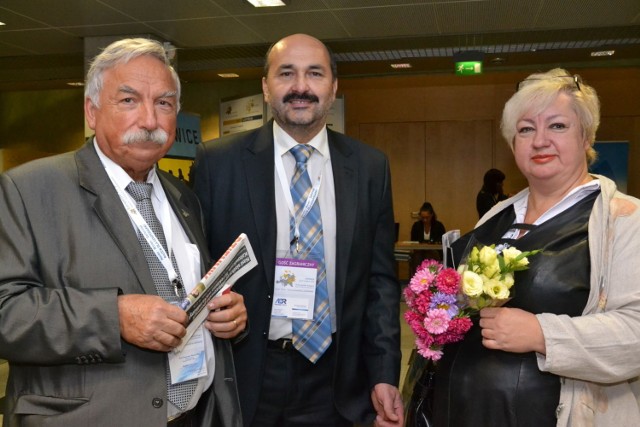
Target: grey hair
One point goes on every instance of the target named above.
(538, 91)
(121, 52)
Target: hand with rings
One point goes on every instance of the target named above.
(227, 316)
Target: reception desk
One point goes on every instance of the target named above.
(415, 246)
(412, 254)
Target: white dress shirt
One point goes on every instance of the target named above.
(318, 163)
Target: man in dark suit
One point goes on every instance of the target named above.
(86, 334)
(243, 182)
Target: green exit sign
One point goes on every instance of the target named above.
(468, 68)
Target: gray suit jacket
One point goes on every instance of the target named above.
(67, 248)
(234, 179)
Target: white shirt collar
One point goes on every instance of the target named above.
(284, 142)
(573, 197)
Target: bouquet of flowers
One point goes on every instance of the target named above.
(434, 314)
(487, 275)
(442, 300)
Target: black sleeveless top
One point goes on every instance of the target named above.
(475, 386)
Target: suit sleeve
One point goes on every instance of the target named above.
(44, 319)
(202, 188)
(382, 327)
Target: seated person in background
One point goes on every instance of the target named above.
(428, 228)
(491, 191)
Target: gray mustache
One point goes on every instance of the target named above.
(157, 136)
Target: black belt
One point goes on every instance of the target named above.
(185, 419)
(284, 344)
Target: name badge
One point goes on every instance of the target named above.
(190, 363)
(294, 290)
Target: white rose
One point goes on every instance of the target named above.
(510, 254)
(508, 280)
(471, 284)
(496, 289)
(492, 269)
(488, 255)
(473, 256)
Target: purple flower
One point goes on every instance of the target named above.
(444, 302)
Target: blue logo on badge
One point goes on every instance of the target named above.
(281, 301)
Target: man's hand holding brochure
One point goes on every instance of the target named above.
(237, 260)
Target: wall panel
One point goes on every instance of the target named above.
(458, 153)
(404, 145)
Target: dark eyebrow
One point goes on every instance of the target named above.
(310, 67)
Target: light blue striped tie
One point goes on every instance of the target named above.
(310, 337)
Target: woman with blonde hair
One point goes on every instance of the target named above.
(564, 350)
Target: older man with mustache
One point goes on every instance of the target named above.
(97, 246)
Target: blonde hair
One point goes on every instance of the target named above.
(538, 91)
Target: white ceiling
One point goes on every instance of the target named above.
(43, 41)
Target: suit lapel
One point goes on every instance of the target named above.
(345, 175)
(258, 165)
(106, 203)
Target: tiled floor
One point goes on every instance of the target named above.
(406, 341)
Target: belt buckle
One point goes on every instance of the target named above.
(287, 344)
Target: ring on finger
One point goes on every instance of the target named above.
(235, 323)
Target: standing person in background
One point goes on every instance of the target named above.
(87, 310)
(427, 228)
(339, 213)
(491, 191)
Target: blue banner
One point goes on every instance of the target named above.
(188, 136)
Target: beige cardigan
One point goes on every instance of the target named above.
(597, 355)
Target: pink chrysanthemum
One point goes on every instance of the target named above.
(422, 302)
(460, 326)
(434, 315)
(421, 280)
(430, 264)
(448, 281)
(436, 321)
(429, 352)
(409, 296)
